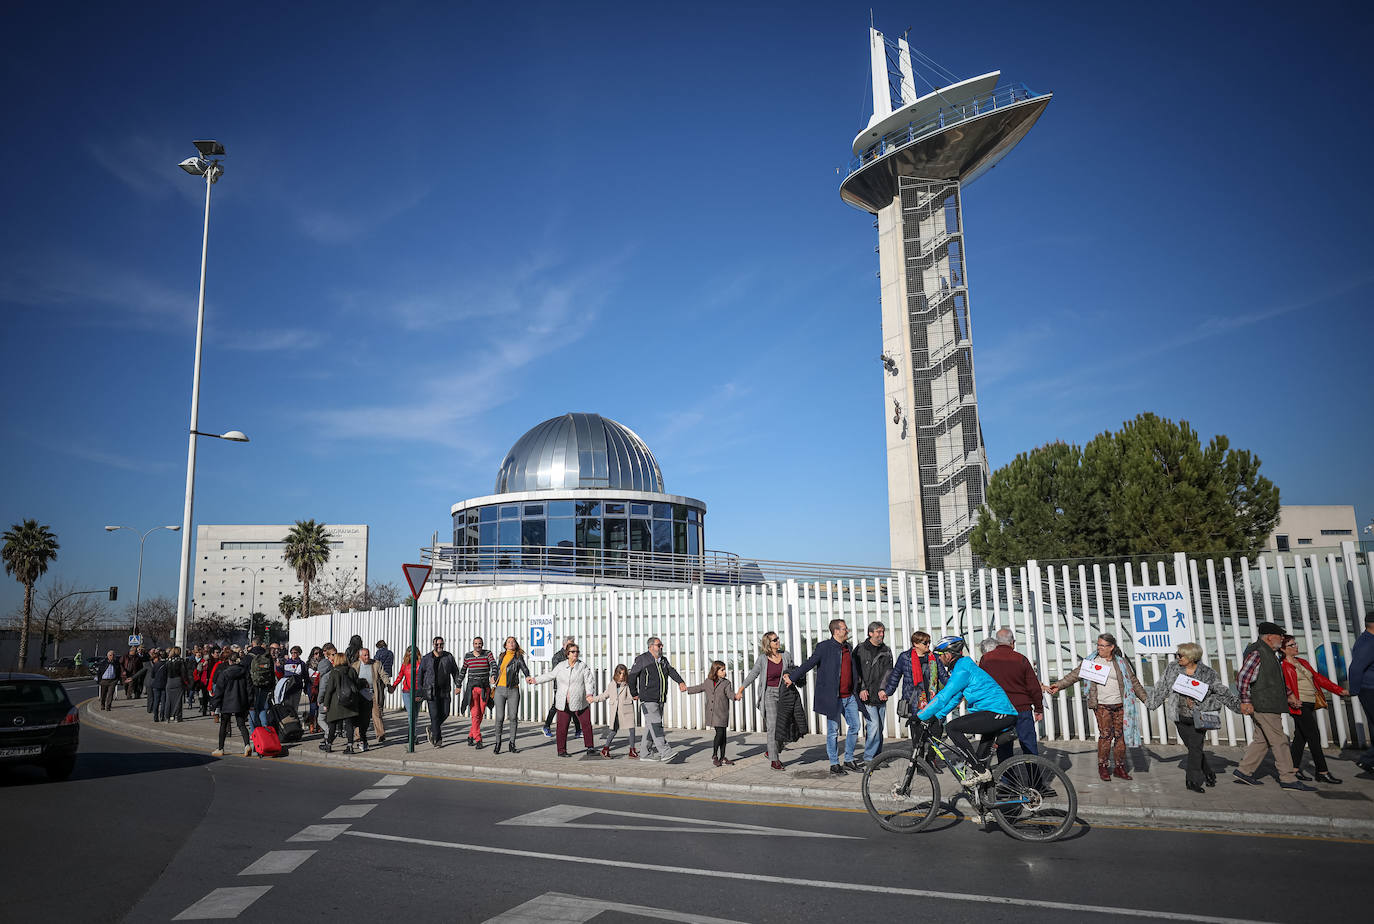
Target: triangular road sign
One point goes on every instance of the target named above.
(416, 575)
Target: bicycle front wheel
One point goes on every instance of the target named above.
(1032, 799)
(901, 792)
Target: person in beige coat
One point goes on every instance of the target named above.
(372, 679)
(1110, 704)
(719, 693)
(622, 703)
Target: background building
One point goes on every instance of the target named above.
(1314, 525)
(909, 167)
(228, 558)
(580, 495)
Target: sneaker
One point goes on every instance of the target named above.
(668, 757)
(478, 745)
(217, 752)
(247, 750)
(856, 765)
(633, 755)
(548, 732)
(776, 765)
(838, 770)
(1298, 786)
(1246, 778)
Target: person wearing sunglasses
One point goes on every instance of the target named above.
(1192, 716)
(438, 684)
(1305, 697)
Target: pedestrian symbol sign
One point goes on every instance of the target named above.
(1161, 618)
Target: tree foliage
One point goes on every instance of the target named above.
(1145, 491)
(157, 618)
(28, 549)
(307, 550)
(212, 628)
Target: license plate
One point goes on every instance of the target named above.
(32, 751)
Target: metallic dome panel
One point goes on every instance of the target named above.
(579, 451)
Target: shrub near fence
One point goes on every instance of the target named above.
(1055, 611)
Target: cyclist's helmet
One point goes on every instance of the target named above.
(950, 643)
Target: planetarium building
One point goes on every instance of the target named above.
(579, 496)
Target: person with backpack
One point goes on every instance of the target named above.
(341, 701)
(262, 674)
(233, 696)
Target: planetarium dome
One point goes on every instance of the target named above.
(579, 451)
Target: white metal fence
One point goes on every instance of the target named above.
(1056, 612)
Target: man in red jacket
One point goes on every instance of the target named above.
(1015, 675)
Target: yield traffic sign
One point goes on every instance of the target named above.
(416, 575)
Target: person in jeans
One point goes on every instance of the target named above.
(649, 675)
(1303, 685)
(833, 697)
(437, 680)
(622, 704)
(1186, 712)
(1264, 698)
(506, 691)
(770, 665)
(873, 661)
(109, 674)
(1361, 676)
(1016, 676)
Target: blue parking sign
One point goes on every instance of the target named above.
(1161, 618)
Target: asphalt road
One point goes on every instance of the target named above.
(146, 833)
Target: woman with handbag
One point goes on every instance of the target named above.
(1192, 695)
(918, 673)
(770, 665)
(1305, 697)
(1117, 723)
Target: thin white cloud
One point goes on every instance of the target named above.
(332, 224)
(272, 340)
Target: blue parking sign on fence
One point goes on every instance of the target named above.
(1161, 617)
(541, 637)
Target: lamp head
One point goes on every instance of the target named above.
(194, 166)
(175, 529)
(209, 148)
(236, 436)
(110, 529)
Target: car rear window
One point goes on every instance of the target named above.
(30, 693)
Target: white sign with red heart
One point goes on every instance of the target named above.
(1096, 671)
(1189, 686)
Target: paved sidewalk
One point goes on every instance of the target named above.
(1155, 798)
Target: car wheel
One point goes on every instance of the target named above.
(59, 768)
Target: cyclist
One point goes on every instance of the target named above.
(989, 709)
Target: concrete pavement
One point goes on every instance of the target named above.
(1155, 798)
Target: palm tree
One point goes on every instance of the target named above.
(28, 549)
(288, 605)
(307, 548)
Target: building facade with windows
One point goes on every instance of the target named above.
(239, 568)
(579, 495)
(1316, 526)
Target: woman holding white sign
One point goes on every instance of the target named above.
(1112, 680)
(1192, 695)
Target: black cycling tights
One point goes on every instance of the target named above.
(983, 723)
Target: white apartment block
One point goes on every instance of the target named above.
(239, 569)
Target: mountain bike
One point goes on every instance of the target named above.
(1027, 796)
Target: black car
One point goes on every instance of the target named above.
(38, 724)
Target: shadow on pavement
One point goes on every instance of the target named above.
(95, 765)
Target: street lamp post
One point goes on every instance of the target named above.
(138, 590)
(208, 166)
(252, 597)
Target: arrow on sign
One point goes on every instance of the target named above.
(416, 575)
(564, 816)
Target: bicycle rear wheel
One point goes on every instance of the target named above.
(901, 792)
(1031, 799)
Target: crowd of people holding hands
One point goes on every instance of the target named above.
(345, 693)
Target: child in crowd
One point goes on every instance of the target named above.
(719, 693)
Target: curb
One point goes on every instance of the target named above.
(801, 796)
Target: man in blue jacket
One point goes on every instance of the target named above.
(989, 708)
(1361, 674)
(836, 684)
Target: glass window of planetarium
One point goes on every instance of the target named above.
(573, 535)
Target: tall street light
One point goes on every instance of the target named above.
(206, 164)
(138, 592)
(253, 596)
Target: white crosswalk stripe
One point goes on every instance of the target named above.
(277, 862)
(223, 904)
(318, 833)
(352, 811)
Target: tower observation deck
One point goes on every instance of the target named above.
(908, 169)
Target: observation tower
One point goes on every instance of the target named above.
(909, 167)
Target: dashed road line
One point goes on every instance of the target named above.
(277, 862)
(393, 779)
(317, 833)
(222, 904)
(352, 811)
(374, 794)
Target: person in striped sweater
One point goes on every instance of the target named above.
(475, 674)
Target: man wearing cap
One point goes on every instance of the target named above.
(1264, 698)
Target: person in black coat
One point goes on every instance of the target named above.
(437, 680)
(233, 696)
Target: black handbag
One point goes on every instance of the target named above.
(903, 708)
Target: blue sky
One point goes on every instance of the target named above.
(439, 226)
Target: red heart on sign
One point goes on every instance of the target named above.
(1097, 667)
(1195, 683)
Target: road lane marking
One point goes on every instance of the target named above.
(223, 903)
(558, 908)
(565, 816)
(277, 862)
(317, 833)
(352, 811)
(809, 883)
(374, 793)
(393, 779)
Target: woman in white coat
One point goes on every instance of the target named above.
(573, 684)
(622, 703)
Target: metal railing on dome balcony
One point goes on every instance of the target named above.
(621, 567)
(947, 115)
